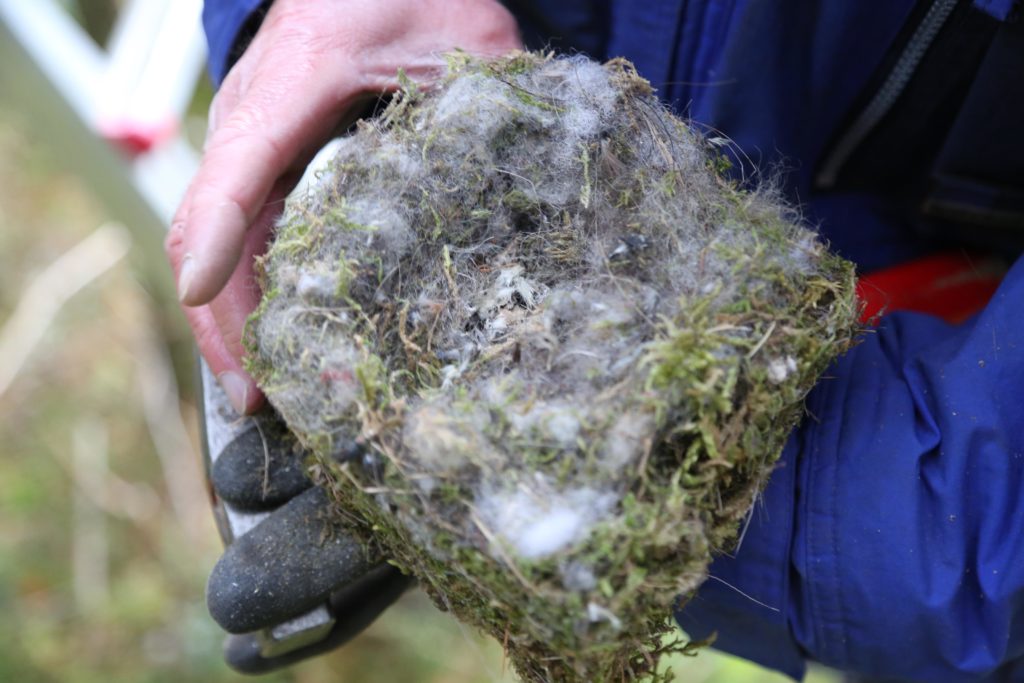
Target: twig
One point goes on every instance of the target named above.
(44, 297)
(161, 407)
(90, 543)
(266, 459)
(761, 342)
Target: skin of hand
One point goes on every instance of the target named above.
(308, 73)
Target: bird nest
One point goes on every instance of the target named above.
(545, 351)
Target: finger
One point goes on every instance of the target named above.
(285, 566)
(174, 241)
(241, 295)
(260, 469)
(261, 139)
(245, 397)
(363, 601)
(231, 308)
(241, 391)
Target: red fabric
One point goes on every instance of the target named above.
(951, 285)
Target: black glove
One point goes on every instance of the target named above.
(294, 586)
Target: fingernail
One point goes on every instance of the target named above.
(185, 276)
(236, 388)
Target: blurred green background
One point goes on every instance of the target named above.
(105, 531)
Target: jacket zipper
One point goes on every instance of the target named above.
(888, 93)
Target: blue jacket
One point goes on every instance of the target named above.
(890, 540)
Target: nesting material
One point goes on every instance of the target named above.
(545, 352)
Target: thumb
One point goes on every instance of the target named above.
(261, 139)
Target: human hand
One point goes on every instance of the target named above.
(263, 590)
(291, 583)
(309, 72)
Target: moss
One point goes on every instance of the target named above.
(570, 348)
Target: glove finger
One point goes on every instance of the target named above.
(261, 468)
(284, 567)
(355, 608)
(359, 603)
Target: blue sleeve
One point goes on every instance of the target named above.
(890, 541)
(223, 21)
